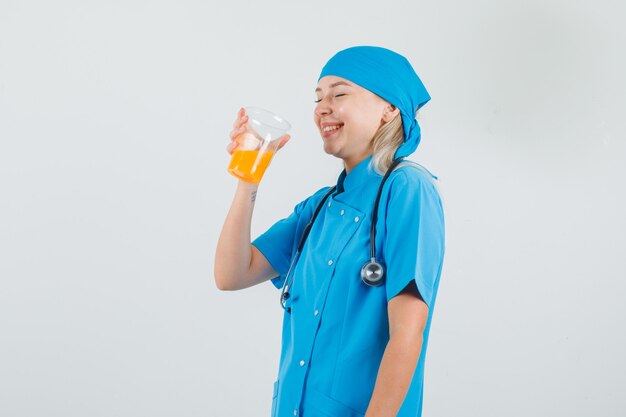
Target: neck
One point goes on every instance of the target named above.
(350, 163)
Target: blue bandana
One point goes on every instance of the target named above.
(388, 75)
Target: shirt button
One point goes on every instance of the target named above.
(343, 212)
(356, 219)
(301, 363)
(330, 203)
(295, 412)
(330, 262)
(316, 312)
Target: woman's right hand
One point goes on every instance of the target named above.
(240, 126)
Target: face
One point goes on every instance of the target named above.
(347, 117)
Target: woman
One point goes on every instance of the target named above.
(353, 344)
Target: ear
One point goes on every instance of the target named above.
(390, 112)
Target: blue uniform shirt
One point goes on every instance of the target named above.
(335, 336)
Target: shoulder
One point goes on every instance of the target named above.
(410, 178)
(413, 203)
(309, 203)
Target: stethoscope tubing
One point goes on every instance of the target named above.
(369, 266)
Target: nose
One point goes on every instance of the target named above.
(323, 108)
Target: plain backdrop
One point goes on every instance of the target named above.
(114, 118)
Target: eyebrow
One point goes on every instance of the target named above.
(334, 85)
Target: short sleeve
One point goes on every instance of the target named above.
(278, 243)
(414, 243)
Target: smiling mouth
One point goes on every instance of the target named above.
(329, 130)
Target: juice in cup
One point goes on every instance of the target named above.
(249, 165)
(257, 145)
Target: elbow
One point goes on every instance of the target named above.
(222, 282)
(223, 285)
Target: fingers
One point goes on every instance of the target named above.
(242, 119)
(236, 132)
(239, 127)
(230, 148)
(284, 140)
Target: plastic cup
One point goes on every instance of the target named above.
(257, 145)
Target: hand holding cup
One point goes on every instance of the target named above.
(256, 136)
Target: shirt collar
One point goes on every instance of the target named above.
(359, 175)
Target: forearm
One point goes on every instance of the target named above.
(233, 254)
(394, 376)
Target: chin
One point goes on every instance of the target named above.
(330, 149)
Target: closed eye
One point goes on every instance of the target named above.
(336, 95)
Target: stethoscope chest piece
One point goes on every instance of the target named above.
(373, 273)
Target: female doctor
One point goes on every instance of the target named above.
(359, 283)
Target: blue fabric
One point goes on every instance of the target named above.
(390, 76)
(330, 359)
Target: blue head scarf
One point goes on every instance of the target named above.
(388, 75)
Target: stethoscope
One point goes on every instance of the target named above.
(372, 273)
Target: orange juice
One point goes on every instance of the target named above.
(248, 165)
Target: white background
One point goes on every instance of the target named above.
(114, 117)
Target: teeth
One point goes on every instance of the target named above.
(329, 128)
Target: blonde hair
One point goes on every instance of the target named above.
(385, 143)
